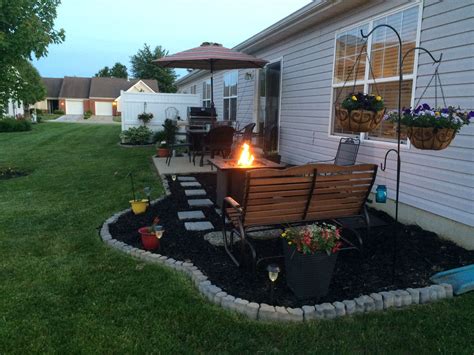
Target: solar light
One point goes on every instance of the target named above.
(147, 191)
(273, 271)
(381, 194)
(159, 231)
(173, 177)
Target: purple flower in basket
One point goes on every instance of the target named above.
(426, 107)
(470, 115)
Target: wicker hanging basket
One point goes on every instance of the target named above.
(430, 138)
(359, 120)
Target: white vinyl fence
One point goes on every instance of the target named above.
(134, 103)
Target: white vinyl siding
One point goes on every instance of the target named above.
(440, 182)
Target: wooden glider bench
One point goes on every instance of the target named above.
(296, 196)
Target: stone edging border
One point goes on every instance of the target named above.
(367, 303)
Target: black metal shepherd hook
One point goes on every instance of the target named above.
(401, 59)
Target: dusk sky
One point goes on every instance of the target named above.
(100, 33)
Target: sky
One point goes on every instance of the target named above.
(102, 32)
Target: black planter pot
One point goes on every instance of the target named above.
(308, 276)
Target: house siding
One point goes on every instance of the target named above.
(440, 182)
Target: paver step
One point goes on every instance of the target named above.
(200, 202)
(197, 192)
(190, 184)
(198, 226)
(187, 178)
(186, 215)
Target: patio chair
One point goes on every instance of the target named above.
(177, 144)
(218, 140)
(296, 196)
(245, 134)
(346, 152)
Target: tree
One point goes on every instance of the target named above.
(143, 68)
(30, 88)
(117, 71)
(26, 31)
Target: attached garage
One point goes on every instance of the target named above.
(74, 107)
(103, 108)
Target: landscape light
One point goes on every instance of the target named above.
(381, 194)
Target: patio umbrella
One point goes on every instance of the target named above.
(211, 56)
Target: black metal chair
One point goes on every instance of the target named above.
(346, 152)
(177, 144)
(218, 140)
(245, 134)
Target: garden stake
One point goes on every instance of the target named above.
(133, 186)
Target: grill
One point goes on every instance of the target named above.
(200, 116)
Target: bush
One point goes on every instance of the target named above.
(87, 114)
(159, 136)
(136, 135)
(9, 124)
(58, 112)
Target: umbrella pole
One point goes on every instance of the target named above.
(212, 85)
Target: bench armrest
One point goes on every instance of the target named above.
(233, 203)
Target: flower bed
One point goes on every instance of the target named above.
(421, 254)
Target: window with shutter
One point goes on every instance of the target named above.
(381, 74)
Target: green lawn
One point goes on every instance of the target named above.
(62, 290)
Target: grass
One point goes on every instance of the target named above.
(62, 290)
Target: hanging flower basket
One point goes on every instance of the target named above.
(360, 112)
(430, 138)
(432, 129)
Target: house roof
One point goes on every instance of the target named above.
(315, 12)
(111, 87)
(53, 86)
(75, 87)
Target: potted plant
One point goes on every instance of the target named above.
(145, 117)
(151, 235)
(139, 206)
(310, 256)
(430, 128)
(161, 146)
(360, 112)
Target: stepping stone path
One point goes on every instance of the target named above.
(198, 226)
(187, 178)
(196, 192)
(190, 184)
(186, 215)
(200, 202)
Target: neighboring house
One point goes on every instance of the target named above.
(311, 52)
(75, 95)
(15, 108)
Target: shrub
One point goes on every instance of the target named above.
(136, 135)
(58, 112)
(159, 136)
(9, 124)
(87, 114)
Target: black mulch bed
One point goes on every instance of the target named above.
(420, 254)
(10, 173)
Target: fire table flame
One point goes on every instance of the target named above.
(246, 159)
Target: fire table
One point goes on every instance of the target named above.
(231, 176)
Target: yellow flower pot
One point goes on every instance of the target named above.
(139, 206)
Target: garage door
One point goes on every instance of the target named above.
(74, 107)
(103, 108)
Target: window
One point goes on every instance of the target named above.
(193, 89)
(206, 93)
(383, 67)
(230, 95)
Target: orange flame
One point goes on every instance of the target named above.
(246, 159)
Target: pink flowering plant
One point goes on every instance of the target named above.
(317, 237)
(426, 116)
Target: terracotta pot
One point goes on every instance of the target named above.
(149, 239)
(359, 120)
(162, 152)
(430, 138)
(308, 276)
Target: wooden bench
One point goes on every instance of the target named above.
(294, 196)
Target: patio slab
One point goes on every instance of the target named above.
(179, 165)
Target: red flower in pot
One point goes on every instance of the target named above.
(151, 235)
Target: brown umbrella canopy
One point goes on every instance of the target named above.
(211, 56)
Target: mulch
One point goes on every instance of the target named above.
(420, 254)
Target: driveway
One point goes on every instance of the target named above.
(80, 119)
